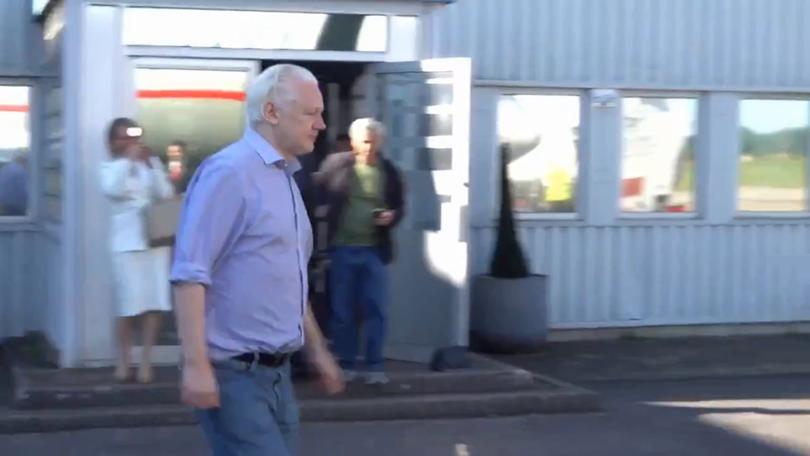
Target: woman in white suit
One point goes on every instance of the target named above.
(132, 180)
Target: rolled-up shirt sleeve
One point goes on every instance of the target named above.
(213, 215)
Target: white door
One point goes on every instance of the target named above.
(199, 102)
(425, 106)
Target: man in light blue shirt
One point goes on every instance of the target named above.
(240, 274)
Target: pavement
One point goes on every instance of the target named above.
(633, 359)
(696, 396)
(765, 416)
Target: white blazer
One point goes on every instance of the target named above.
(130, 187)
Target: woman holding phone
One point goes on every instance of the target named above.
(133, 179)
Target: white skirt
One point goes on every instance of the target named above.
(142, 281)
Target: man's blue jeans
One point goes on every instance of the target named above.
(257, 415)
(358, 281)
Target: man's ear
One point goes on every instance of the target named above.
(270, 113)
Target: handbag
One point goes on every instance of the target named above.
(162, 218)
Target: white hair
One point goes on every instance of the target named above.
(271, 85)
(362, 126)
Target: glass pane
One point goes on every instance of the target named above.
(37, 6)
(188, 115)
(15, 139)
(773, 141)
(542, 133)
(255, 29)
(658, 159)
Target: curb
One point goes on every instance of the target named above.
(480, 381)
(385, 409)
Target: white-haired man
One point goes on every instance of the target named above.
(240, 274)
(364, 195)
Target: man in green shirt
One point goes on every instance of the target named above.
(364, 196)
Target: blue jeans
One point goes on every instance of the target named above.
(257, 414)
(358, 282)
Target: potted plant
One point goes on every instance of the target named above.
(508, 305)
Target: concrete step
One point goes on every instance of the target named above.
(41, 389)
(541, 399)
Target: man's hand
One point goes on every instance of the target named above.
(385, 218)
(330, 374)
(199, 386)
(331, 377)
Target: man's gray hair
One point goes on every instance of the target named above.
(271, 85)
(364, 125)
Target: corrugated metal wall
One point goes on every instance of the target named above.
(18, 247)
(30, 283)
(18, 265)
(635, 43)
(658, 274)
(714, 269)
(31, 266)
(17, 30)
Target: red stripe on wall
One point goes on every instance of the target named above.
(13, 108)
(195, 94)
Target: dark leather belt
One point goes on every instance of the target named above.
(265, 359)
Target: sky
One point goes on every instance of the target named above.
(768, 116)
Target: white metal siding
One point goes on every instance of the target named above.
(17, 271)
(666, 274)
(31, 254)
(30, 284)
(726, 44)
(18, 47)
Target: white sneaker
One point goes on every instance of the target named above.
(376, 378)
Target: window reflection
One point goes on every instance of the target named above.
(658, 160)
(542, 133)
(15, 142)
(772, 169)
(189, 114)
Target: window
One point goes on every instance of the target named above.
(15, 140)
(188, 114)
(38, 6)
(773, 169)
(542, 134)
(658, 159)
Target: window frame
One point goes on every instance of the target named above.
(577, 214)
(698, 212)
(741, 215)
(15, 222)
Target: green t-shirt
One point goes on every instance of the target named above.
(365, 194)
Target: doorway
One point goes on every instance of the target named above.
(199, 105)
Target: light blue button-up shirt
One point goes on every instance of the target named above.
(244, 234)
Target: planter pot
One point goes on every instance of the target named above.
(508, 315)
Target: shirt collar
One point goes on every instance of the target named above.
(268, 153)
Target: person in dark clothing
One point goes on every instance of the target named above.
(176, 163)
(363, 195)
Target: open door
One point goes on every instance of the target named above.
(425, 107)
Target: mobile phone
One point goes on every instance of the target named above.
(134, 132)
